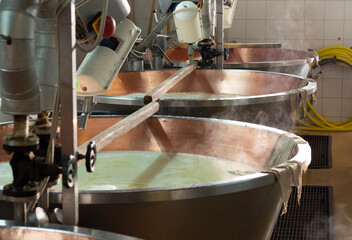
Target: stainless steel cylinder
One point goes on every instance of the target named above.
(137, 65)
(18, 79)
(208, 12)
(46, 53)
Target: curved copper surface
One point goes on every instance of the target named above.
(201, 211)
(185, 136)
(244, 55)
(237, 82)
(216, 139)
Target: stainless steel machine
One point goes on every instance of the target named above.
(38, 76)
(244, 206)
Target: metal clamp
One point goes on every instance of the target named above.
(226, 53)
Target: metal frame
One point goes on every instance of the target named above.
(67, 76)
(220, 33)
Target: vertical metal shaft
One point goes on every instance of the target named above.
(219, 32)
(190, 53)
(67, 77)
(20, 212)
(43, 201)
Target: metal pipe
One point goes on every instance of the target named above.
(106, 137)
(190, 51)
(208, 12)
(20, 126)
(20, 212)
(19, 86)
(148, 40)
(46, 53)
(88, 103)
(171, 81)
(219, 33)
(67, 81)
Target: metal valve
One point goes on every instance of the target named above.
(68, 172)
(91, 156)
(226, 53)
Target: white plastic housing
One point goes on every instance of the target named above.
(100, 67)
(188, 22)
(229, 13)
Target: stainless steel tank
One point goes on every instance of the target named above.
(13, 231)
(289, 61)
(271, 99)
(244, 207)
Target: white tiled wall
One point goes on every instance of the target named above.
(297, 24)
(304, 24)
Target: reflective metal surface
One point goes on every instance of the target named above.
(214, 210)
(271, 99)
(266, 59)
(19, 87)
(271, 59)
(253, 45)
(10, 230)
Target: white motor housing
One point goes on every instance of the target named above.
(100, 67)
(229, 13)
(188, 22)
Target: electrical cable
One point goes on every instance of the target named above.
(101, 30)
(81, 3)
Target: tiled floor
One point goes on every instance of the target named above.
(340, 177)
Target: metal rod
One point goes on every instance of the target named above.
(20, 212)
(67, 83)
(151, 16)
(43, 201)
(149, 39)
(88, 103)
(106, 137)
(171, 81)
(220, 33)
(190, 53)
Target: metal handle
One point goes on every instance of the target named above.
(171, 81)
(91, 157)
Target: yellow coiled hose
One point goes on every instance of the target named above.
(321, 123)
(340, 53)
(326, 55)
